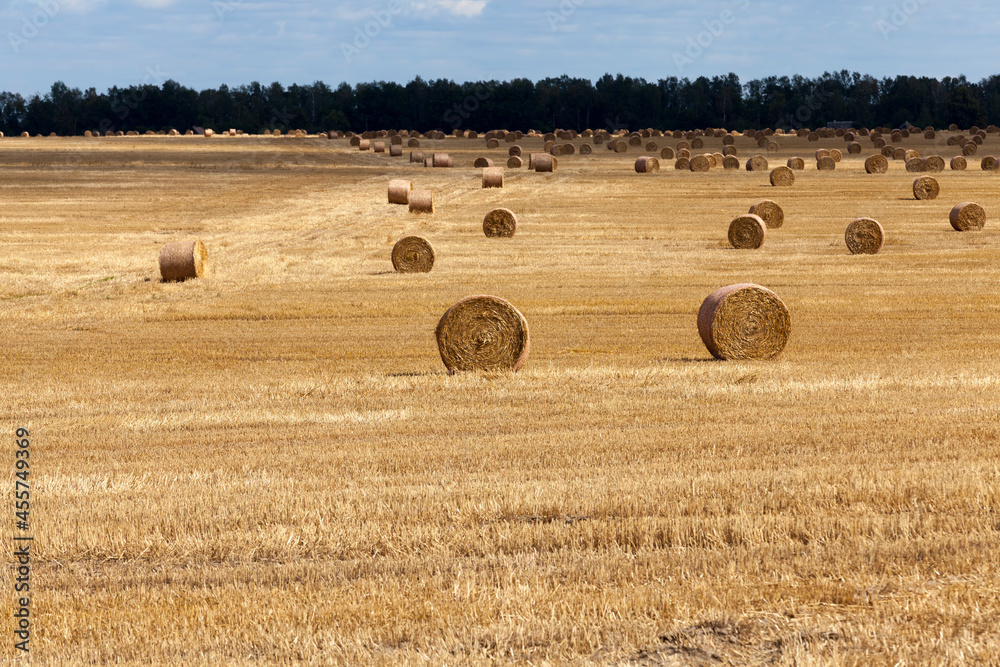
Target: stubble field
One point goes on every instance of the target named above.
(271, 465)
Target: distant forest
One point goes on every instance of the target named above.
(612, 102)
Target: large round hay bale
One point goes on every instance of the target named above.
(757, 163)
(514, 162)
(557, 150)
(747, 232)
(183, 260)
(959, 163)
(514, 151)
(586, 149)
(701, 163)
(412, 254)
(428, 162)
(652, 147)
(864, 236)
(826, 163)
(682, 164)
(969, 149)
(683, 145)
(879, 143)
(915, 165)
(483, 333)
(667, 153)
(492, 177)
(378, 147)
(770, 212)
(854, 148)
(899, 154)
(910, 154)
(697, 143)
(772, 147)
(934, 163)
(421, 201)
(684, 153)
(729, 150)
(482, 163)
(646, 165)
(926, 187)
(395, 150)
(545, 163)
(930, 134)
(822, 152)
(744, 321)
(989, 163)
(813, 136)
(399, 191)
(355, 140)
(762, 141)
(782, 176)
(876, 164)
(836, 154)
(730, 163)
(413, 143)
(500, 223)
(728, 140)
(443, 160)
(967, 217)
(620, 147)
(493, 143)
(417, 156)
(363, 144)
(796, 163)
(635, 141)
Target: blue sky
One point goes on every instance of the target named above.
(205, 43)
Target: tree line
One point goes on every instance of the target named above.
(611, 102)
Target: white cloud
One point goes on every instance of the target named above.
(154, 4)
(466, 8)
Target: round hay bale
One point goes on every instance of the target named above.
(701, 163)
(364, 144)
(514, 162)
(442, 160)
(482, 162)
(896, 136)
(635, 140)
(395, 150)
(492, 177)
(876, 164)
(930, 134)
(822, 152)
(428, 162)
(514, 151)
(729, 150)
(493, 143)
(813, 136)
(770, 212)
(763, 141)
(757, 163)
(620, 147)
(730, 163)
(545, 163)
(744, 321)
(953, 128)
(934, 163)
(854, 148)
(969, 149)
(355, 140)
(396, 140)
(421, 201)
(826, 164)
(683, 145)
(684, 153)
(836, 154)
(586, 149)
(646, 165)
(978, 140)
(183, 260)
(682, 164)
(747, 232)
(510, 137)
(417, 156)
(399, 191)
(864, 236)
(208, 133)
(909, 155)
(412, 254)
(850, 137)
(500, 223)
(598, 139)
(667, 153)
(967, 217)
(879, 143)
(773, 147)
(959, 163)
(796, 163)
(782, 176)
(915, 165)
(379, 147)
(926, 187)
(483, 333)
(568, 149)
(413, 143)
(652, 147)
(989, 163)
(556, 150)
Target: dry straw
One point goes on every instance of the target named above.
(701, 163)
(757, 163)
(500, 223)
(183, 260)
(744, 321)
(421, 201)
(926, 187)
(826, 163)
(770, 212)
(412, 254)
(399, 191)
(492, 177)
(796, 163)
(877, 164)
(747, 232)
(959, 163)
(782, 176)
(967, 217)
(483, 333)
(864, 236)
(646, 165)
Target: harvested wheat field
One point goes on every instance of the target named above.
(271, 464)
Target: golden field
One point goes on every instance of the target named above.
(272, 466)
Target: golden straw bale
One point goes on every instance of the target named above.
(500, 223)
(864, 236)
(492, 177)
(782, 176)
(483, 333)
(926, 187)
(959, 163)
(796, 163)
(854, 148)
(967, 217)
(701, 163)
(747, 232)
(915, 165)
(482, 162)
(730, 163)
(412, 254)
(934, 163)
(826, 164)
(877, 164)
(421, 201)
(545, 163)
(646, 165)
(744, 321)
(399, 191)
(667, 153)
(514, 162)
(183, 260)
(757, 163)
(682, 164)
(770, 212)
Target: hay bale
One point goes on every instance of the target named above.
(697, 143)
(969, 149)
(651, 147)
(989, 163)
(730, 163)
(428, 162)
(620, 147)
(556, 150)
(183, 260)
(646, 165)
(826, 164)
(930, 134)
(770, 212)
(876, 164)
(915, 165)
(879, 143)
(483, 333)
(412, 254)
(395, 151)
(482, 162)
(682, 164)
(744, 321)
(399, 191)
(773, 147)
(700, 163)
(492, 177)
(683, 146)
(413, 143)
(209, 133)
(747, 232)
(667, 153)
(757, 163)
(421, 201)
(967, 217)
(493, 143)
(684, 153)
(813, 136)
(782, 176)
(909, 155)
(926, 188)
(836, 154)
(545, 163)
(500, 223)
(822, 152)
(364, 144)
(933, 163)
(514, 162)
(514, 151)
(442, 160)
(729, 150)
(864, 236)
(959, 163)
(635, 141)
(894, 153)
(796, 163)
(854, 148)
(586, 149)
(417, 156)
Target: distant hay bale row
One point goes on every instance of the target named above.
(744, 321)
